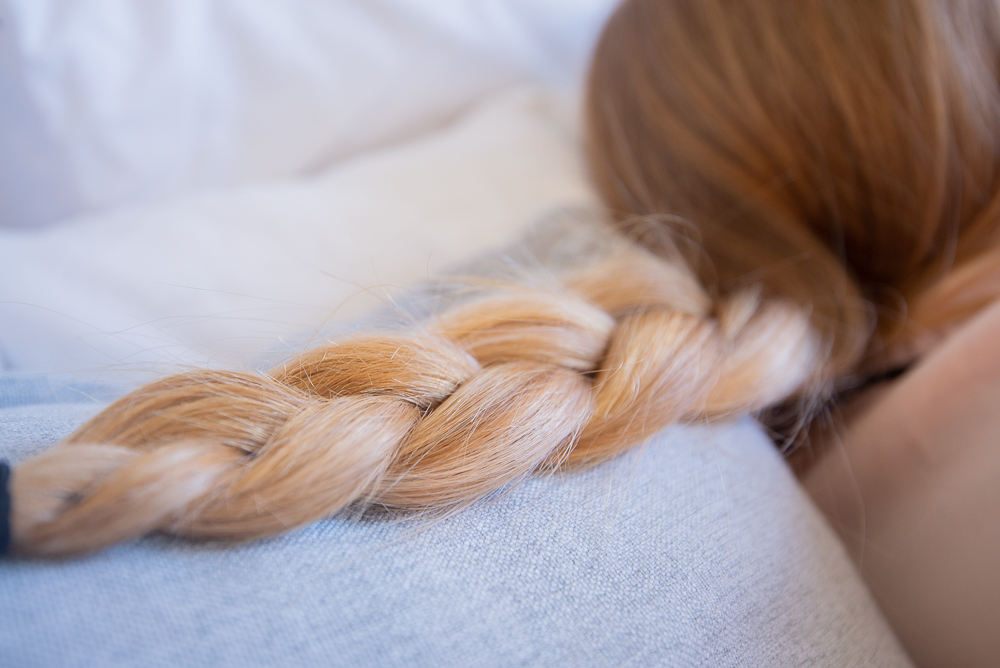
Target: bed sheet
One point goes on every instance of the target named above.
(698, 550)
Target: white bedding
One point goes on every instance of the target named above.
(215, 278)
(190, 182)
(112, 102)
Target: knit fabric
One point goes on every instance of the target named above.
(697, 550)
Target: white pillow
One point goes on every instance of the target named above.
(110, 102)
(216, 278)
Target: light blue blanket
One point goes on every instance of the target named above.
(699, 550)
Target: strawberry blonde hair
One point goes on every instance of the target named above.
(795, 176)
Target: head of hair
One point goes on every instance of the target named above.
(839, 153)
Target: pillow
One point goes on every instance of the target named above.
(111, 102)
(215, 278)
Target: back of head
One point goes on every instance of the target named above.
(841, 152)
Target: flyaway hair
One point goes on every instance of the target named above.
(830, 163)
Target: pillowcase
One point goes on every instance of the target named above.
(111, 102)
(217, 278)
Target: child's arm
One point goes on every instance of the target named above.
(914, 490)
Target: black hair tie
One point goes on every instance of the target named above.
(887, 375)
(878, 378)
(4, 507)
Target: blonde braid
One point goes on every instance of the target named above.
(483, 395)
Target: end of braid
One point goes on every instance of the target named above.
(78, 498)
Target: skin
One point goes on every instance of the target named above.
(913, 488)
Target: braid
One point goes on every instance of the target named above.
(482, 395)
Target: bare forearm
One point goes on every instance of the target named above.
(913, 487)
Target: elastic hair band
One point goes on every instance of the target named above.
(4, 507)
(875, 379)
(887, 375)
